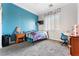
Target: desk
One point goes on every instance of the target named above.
(20, 38)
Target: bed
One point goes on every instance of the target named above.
(37, 36)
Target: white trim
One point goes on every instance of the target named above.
(0, 27)
(0, 42)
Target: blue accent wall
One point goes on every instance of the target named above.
(13, 16)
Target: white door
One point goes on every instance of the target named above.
(53, 26)
(49, 25)
(57, 32)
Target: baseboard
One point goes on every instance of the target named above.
(56, 40)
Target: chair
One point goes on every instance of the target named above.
(64, 38)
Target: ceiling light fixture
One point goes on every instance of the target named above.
(50, 9)
(51, 5)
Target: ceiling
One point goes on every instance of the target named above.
(39, 8)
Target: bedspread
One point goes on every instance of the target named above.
(38, 35)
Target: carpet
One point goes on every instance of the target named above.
(42, 48)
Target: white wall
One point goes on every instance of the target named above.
(68, 18)
(41, 27)
(0, 27)
(78, 12)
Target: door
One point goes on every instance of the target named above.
(53, 26)
(57, 26)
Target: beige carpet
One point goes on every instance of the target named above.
(42, 48)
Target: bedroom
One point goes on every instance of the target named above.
(34, 21)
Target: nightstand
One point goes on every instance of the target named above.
(20, 38)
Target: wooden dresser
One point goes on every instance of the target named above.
(74, 43)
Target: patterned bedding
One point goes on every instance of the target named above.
(38, 35)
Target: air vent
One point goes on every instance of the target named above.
(51, 5)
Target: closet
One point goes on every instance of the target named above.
(52, 24)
